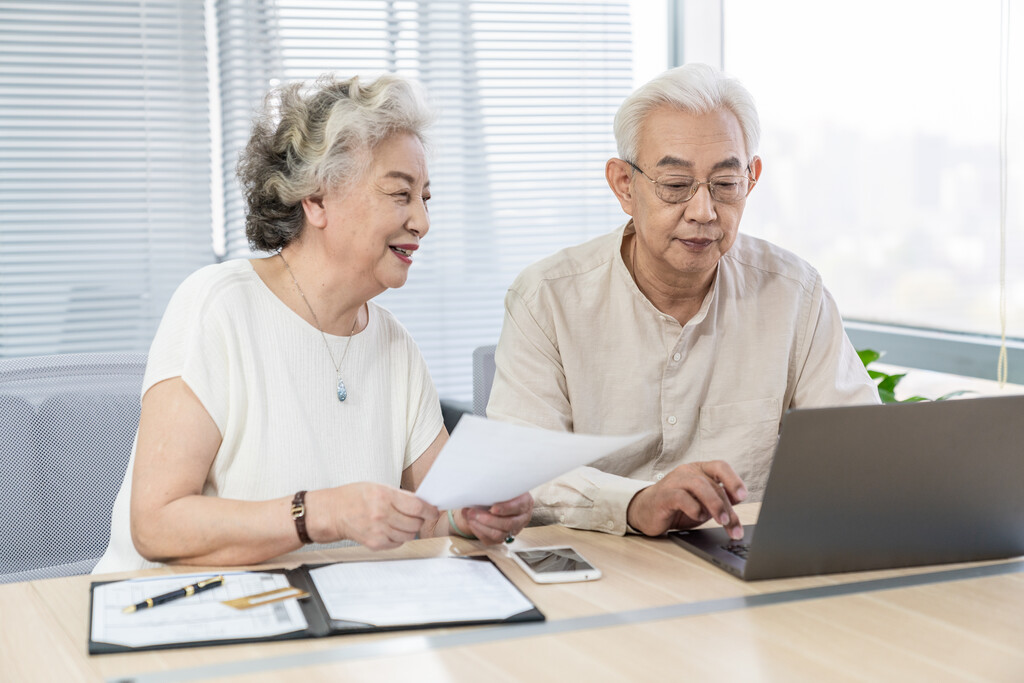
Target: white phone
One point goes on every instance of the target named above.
(555, 565)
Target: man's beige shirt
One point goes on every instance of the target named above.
(583, 350)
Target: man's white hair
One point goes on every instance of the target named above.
(692, 88)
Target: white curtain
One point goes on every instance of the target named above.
(527, 93)
(105, 139)
(104, 169)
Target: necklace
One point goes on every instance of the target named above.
(342, 390)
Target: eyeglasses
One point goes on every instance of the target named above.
(676, 189)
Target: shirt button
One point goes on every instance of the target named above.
(671, 419)
(609, 524)
(659, 476)
(677, 357)
(561, 518)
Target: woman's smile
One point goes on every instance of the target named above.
(404, 251)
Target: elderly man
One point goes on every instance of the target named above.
(674, 324)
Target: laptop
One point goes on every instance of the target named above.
(879, 486)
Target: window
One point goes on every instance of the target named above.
(104, 170)
(105, 182)
(881, 143)
(527, 92)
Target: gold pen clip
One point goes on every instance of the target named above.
(275, 595)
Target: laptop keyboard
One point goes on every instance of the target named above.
(738, 549)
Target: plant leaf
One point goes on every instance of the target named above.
(887, 383)
(954, 393)
(890, 382)
(868, 356)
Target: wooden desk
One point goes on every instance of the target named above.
(659, 613)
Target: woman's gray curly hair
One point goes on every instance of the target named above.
(311, 137)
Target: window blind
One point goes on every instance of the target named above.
(526, 91)
(104, 169)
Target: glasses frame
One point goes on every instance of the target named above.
(697, 183)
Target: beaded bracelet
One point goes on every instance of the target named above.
(455, 527)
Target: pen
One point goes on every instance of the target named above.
(197, 587)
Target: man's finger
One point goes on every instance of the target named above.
(723, 474)
(710, 496)
(680, 500)
(713, 502)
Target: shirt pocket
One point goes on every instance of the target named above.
(744, 435)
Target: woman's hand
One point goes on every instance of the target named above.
(490, 525)
(498, 522)
(373, 515)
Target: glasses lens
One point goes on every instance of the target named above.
(675, 189)
(728, 189)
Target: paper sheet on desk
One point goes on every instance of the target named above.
(198, 618)
(420, 591)
(487, 461)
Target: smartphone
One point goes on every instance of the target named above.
(555, 565)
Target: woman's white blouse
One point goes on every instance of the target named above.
(265, 377)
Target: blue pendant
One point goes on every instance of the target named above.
(342, 391)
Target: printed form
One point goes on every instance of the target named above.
(198, 618)
(421, 591)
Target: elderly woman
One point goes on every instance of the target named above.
(281, 407)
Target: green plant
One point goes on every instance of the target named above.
(887, 383)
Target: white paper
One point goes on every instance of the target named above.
(421, 591)
(197, 618)
(487, 461)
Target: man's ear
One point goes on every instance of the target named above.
(755, 168)
(316, 215)
(619, 175)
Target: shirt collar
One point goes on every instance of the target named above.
(626, 279)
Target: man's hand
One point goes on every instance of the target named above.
(688, 496)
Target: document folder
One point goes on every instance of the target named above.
(344, 597)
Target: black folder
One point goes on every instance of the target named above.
(319, 623)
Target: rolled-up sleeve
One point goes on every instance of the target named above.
(529, 388)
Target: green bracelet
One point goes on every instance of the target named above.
(460, 532)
